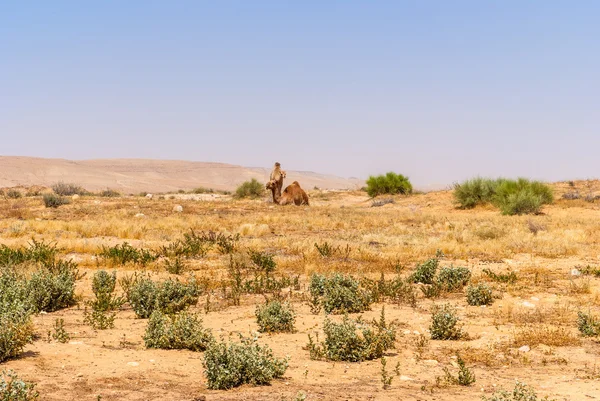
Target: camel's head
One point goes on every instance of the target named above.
(271, 184)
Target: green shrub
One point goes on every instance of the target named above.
(16, 329)
(65, 189)
(425, 272)
(250, 189)
(13, 194)
(390, 183)
(465, 377)
(521, 392)
(103, 287)
(588, 325)
(508, 278)
(175, 265)
(520, 196)
(60, 334)
(53, 200)
(473, 192)
(228, 365)
(125, 253)
(479, 294)
(338, 294)
(173, 296)
(179, 331)
(109, 193)
(453, 278)
(275, 317)
(345, 341)
(14, 389)
(49, 291)
(141, 295)
(444, 323)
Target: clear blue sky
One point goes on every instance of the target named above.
(438, 90)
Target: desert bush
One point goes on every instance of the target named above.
(228, 365)
(453, 278)
(109, 193)
(425, 272)
(141, 295)
(390, 183)
(345, 341)
(521, 392)
(250, 189)
(445, 323)
(473, 192)
(60, 334)
(13, 194)
(173, 296)
(508, 278)
(338, 294)
(275, 316)
(35, 252)
(202, 190)
(14, 389)
(178, 331)
(465, 376)
(16, 328)
(50, 291)
(522, 196)
(175, 265)
(125, 253)
(66, 189)
(479, 294)
(53, 200)
(105, 302)
(588, 325)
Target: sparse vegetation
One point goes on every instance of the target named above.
(53, 200)
(66, 189)
(390, 183)
(14, 389)
(521, 392)
(465, 376)
(479, 294)
(588, 325)
(338, 294)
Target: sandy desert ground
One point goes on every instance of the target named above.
(529, 333)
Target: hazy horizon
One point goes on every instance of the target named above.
(438, 91)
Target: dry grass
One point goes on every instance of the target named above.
(547, 335)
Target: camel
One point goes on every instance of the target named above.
(292, 194)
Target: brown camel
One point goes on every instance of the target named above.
(292, 194)
(277, 176)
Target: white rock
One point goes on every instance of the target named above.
(133, 364)
(525, 348)
(140, 215)
(416, 333)
(575, 272)
(535, 299)
(406, 332)
(75, 197)
(178, 208)
(528, 304)
(406, 378)
(75, 342)
(430, 362)
(97, 202)
(149, 196)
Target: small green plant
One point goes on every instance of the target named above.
(521, 392)
(479, 294)
(263, 261)
(347, 341)
(229, 365)
(465, 377)
(250, 189)
(425, 272)
(14, 389)
(109, 193)
(386, 378)
(445, 323)
(175, 265)
(60, 334)
(473, 192)
(508, 278)
(588, 325)
(141, 295)
(590, 270)
(326, 249)
(338, 294)
(183, 330)
(102, 316)
(16, 329)
(52, 287)
(275, 316)
(390, 183)
(53, 200)
(173, 296)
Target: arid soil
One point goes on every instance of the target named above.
(539, 311)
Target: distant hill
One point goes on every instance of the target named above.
(136, 175)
